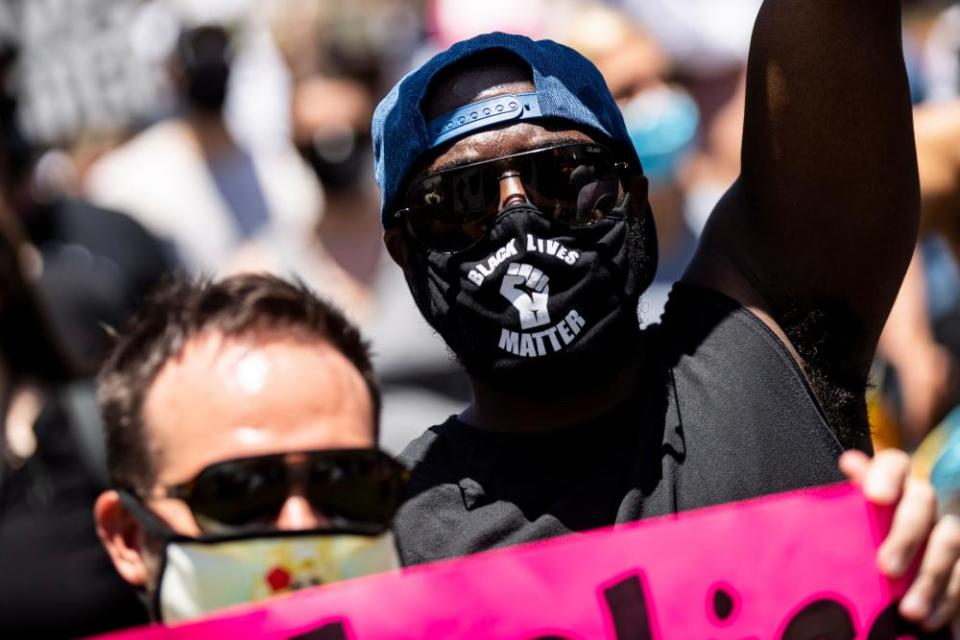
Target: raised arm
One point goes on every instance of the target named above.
(938, 155)
(818, 231)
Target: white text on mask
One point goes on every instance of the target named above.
(541, 343)
(554, 248)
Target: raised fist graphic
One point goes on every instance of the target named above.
(528, 289)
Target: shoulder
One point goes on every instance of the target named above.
(433, 499)
(431, 451)
(698, 319)
(166, 147)
(728, 364)
(702, 325)
(80, 218)
(415, 452)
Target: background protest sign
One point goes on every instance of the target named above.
(795, 567)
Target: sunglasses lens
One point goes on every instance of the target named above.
(349, 487)
(355, 487)
(572, 184)
(452, 210)
(239, 494)
(575, 184)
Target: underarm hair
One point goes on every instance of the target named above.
(820, 334)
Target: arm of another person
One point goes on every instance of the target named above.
(926, 371)
(816, 234)
(929, 375)
(938, 156)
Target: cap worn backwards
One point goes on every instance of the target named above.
(568, 87)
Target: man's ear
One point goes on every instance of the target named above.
(639, 188)
(396, 247)
(122, 536)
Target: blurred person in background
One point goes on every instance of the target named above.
(942, 56)
(330, 122)
(924, 384)
(55, 578)
(95, 264)
(369, 41)
(241, 421)
(921, 342)
(349, 264)
(340, 56)
(188, 181)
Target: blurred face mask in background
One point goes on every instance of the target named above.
(205, 55)
(663, 124)
(207, 86)
(340, 159)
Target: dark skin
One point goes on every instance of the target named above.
(821, 222)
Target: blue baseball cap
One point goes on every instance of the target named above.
(568, 87)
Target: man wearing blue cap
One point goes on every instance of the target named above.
(517, 209)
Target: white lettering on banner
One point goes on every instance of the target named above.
(483, 271)
(542, 343)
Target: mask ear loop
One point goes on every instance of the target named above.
(156, 528)
(625, 210)
(151, 522)
(624, 175)
(644, 219)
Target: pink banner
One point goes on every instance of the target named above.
(794, 567)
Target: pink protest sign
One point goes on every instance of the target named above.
(793, 567)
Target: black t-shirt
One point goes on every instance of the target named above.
(723, 413)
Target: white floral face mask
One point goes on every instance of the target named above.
(223, 568)
(201, 576)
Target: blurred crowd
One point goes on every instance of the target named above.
(140, 138)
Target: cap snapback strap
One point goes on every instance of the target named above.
(483, 114)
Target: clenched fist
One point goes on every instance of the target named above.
(528, 289)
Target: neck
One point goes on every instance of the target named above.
(497, 410)
(349, 232)
(210, 131)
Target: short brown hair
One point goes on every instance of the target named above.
(180, 309)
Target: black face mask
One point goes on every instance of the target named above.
(340, 161)
(537, 307)
(207, 86)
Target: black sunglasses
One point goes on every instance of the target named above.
(574, 184)
(351, 487)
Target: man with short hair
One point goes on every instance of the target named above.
(517, 208)
(241, 427)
